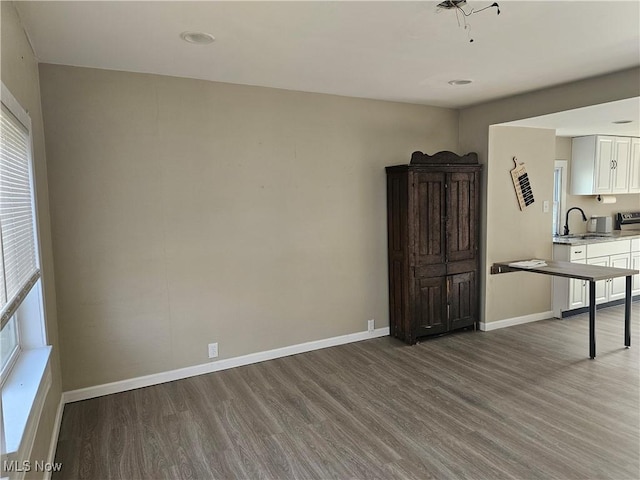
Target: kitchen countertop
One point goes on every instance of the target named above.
(578, 239)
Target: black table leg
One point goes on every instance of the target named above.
(592, 319)
(627, 314)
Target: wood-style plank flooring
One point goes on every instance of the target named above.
(522, 402)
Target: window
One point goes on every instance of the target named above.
(559, 195)
(18, 260)
(9, 344)
(24, 373)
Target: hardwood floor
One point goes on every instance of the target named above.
(521, 402)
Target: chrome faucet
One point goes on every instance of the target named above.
(566, 220)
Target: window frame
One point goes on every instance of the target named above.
(561, 165)
(5, 370)
(29, 363)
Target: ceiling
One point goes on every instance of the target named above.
(595, 119)
(398, 50)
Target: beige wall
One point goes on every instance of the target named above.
(20, 74)
(474, 136)
(187, 212)
(516, 234)
(624, 203)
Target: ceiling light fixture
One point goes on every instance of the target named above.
(197, 38)
(459, 82)
(622, 122)
(458, 7)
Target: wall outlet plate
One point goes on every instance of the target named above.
(371, 325)
(213, 350)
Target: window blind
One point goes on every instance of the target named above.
(19, 261)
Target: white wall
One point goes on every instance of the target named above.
(516, 234)
(187, 212)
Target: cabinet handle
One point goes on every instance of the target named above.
(578, 251)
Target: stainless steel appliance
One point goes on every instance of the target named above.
(628, 221)
(600, 224)
(604, 224)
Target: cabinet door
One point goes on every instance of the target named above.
(462, 215)
(621, 163)
(618, 286)
(578, 295)
(463, 302)
(634, 166)
(429, 218)
(602, 287)
(602, 182)
(635, 265)
(431, 306)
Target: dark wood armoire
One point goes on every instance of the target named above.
(433, 215)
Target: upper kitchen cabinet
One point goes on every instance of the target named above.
(604, 165)
(634, 168)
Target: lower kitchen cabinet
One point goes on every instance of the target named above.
(602, 287)
(572, 294)
(618, 286)
(578, 292)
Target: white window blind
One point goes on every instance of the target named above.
(19, 260)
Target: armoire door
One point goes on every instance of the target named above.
(462, 212)
(429, 218)
(463, 300)
(431, 306)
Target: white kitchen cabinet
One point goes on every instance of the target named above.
(602, 287)
(634, 166)
(578, 291)
(618, 286)
(621, 162)
(570, 294)
(601, 164)
(615, 247)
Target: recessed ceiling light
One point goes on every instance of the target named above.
(622, 122)
(198, 38)
(459, 82)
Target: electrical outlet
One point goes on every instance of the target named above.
(213, 350)
(371, 325)
(545, 206)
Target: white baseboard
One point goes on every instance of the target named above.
(509, 322)
(171, 375)
(54, 437)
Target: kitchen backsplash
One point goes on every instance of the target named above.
(588, 203)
